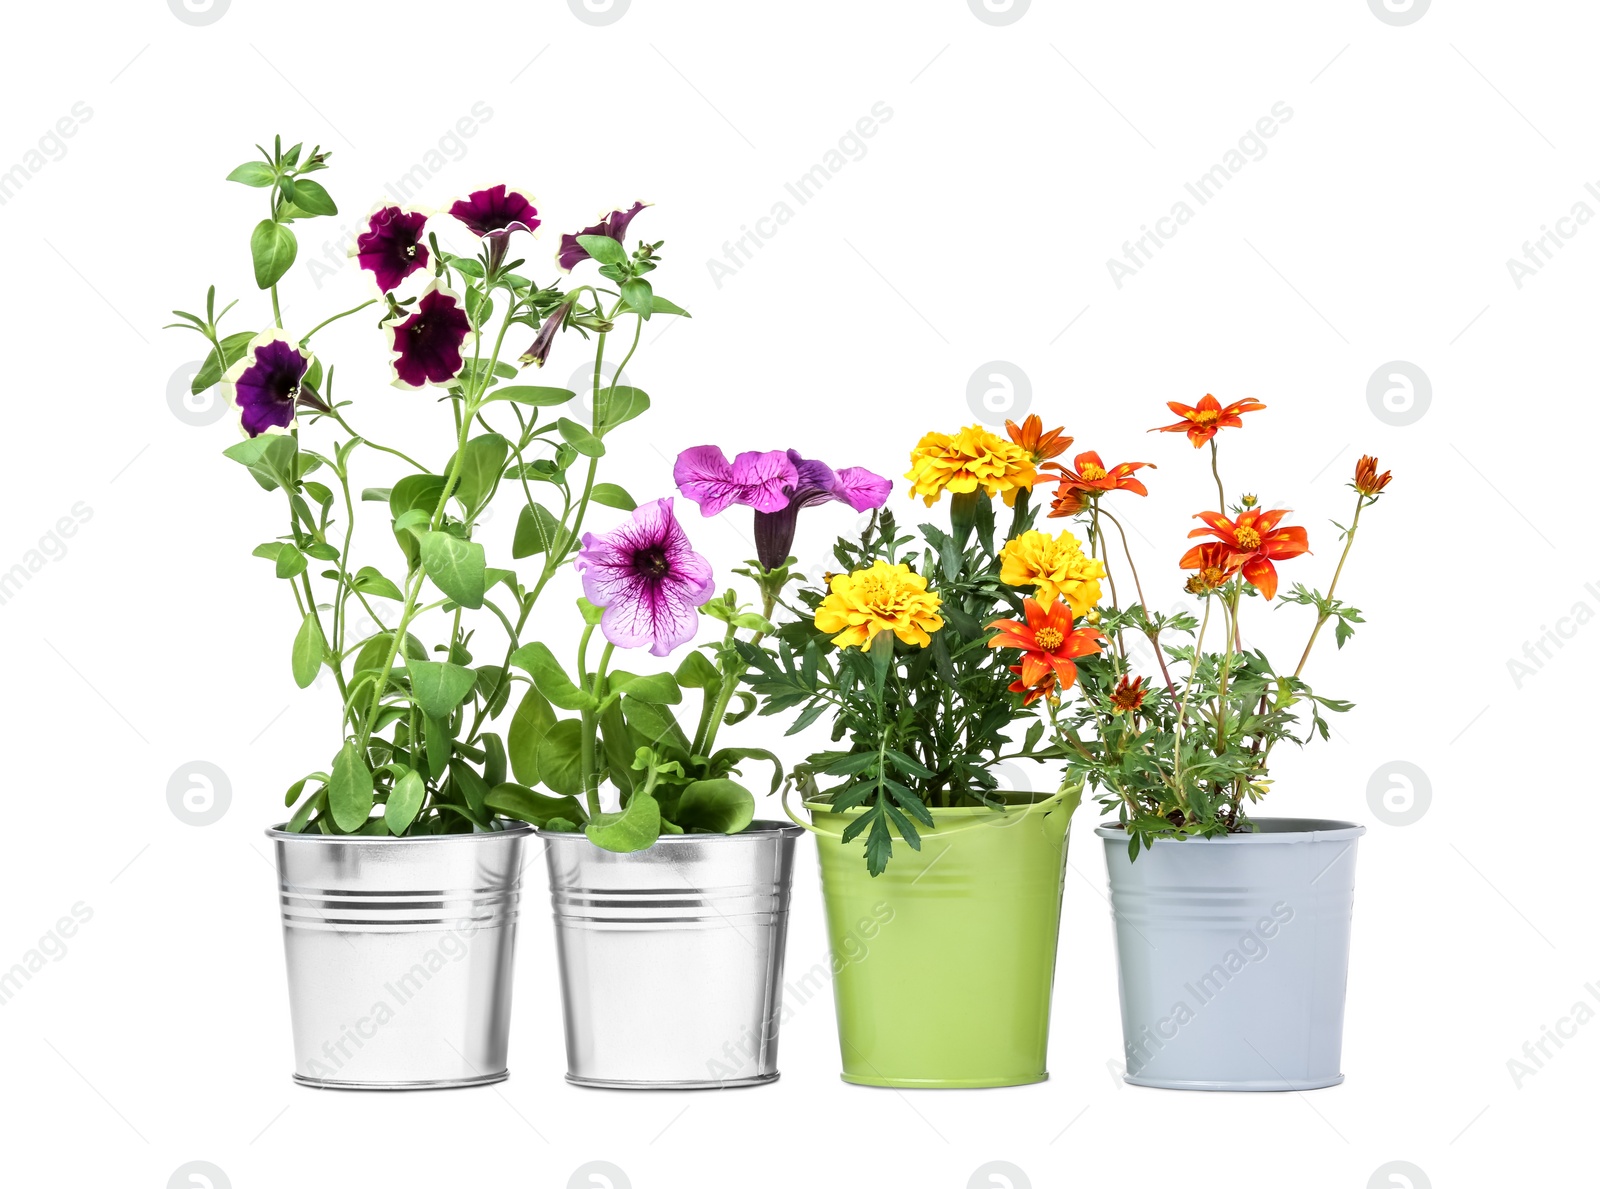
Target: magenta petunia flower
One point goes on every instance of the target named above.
(266, 384)
(648, 578)
(496, 212)
(427, 343)
(539, 351)
(755, 479)
(614, 225)
(391, 246)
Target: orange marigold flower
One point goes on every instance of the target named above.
(1031, 436)
(1254, 542)
(1128, 696)
(1032, 693)
(1368, 481)
(1048, 642)
(1090, 476)
(1202, 421)
(1215, 566)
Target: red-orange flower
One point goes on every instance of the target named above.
(1031, 436)
(1254, 542)
(1089, 475)
(1048, 642)
(1215, 565)
(1368, 481)
(1128, 696)
(1032, 693)
(1202, 421)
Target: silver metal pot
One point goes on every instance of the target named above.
(672, 957)
(1232, 954)
(400, 956)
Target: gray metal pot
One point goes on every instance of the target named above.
(672, 957)
(1232, 954)
(400, 956)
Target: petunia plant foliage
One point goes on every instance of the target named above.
(422, 632)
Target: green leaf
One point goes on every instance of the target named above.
(494, 760)
(580, 439)
(405, 799)
(472, 789)
(310, 197)
(370, 582)
(621, 404)
(233, 349)
(309, 646)
(481, 464)
(659, 689)
(696, 672)
(438, 686)
(254, 173)
(269, 457)
(456, 567)
(561, 758)
(636, 828)
(513, 800)
(551, 679)
(272, 251)
(716, 807)
(529, 394)
(350, 789)
(638, 294)
(612, 496)
(537, 531)
(603, 248)
(533, 718)
(661, 305)
(727, 757)
(416, 493)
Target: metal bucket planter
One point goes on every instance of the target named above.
(399, 953)
(672, 957)
(943, 965)
(1232, 954)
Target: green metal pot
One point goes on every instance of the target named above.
(943, 965)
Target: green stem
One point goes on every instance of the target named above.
(1222, 500)
(1183, 708)
(1323, 616)
(306, 338)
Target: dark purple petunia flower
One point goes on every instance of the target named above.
(496, 212)
(755, 479)
(391, 246)
(540, 350)
(265, 385)
(648, 578)
(614, 225)
(818, 483)
(427, 344)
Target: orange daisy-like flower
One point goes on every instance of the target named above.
(1128, 696)
(1089, 476)
(1202, 421)
(1215, 565)
(1032, 693)
(1368, 481)
(1031, 436)
(1254, 542)
(1048, 641)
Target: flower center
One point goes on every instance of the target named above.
(1206, 417)
(410, 251)
(652, 561)
(1248, 538)
(1091, 472)
(1048, 639)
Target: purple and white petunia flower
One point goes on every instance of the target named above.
(265, 385)
(427, 342)
(755, 479)
(614, 225)
(648, 578)
(391, 247)
(496, 212)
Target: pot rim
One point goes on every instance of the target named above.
(757, 827)
(511, 829)
(1034, 799)
(1271, 830)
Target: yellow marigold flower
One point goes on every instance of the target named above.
(883, 598)
(968, 460)
(1056, 566)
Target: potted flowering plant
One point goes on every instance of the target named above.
(400, 865)
(913, 824)
(1232, 931)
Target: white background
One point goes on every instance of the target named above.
(976, 227)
